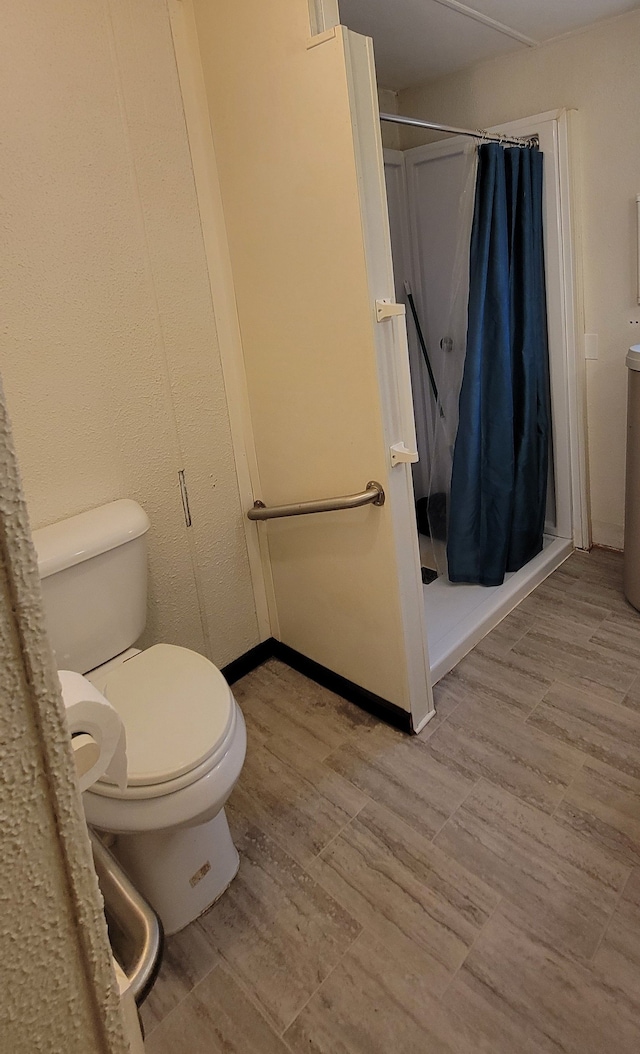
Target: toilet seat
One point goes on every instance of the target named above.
(179, 716)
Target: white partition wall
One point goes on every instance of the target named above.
(297, 140)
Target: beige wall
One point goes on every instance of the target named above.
(595, 72)
(57, 988)
(109, 350)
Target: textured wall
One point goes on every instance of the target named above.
(57, 989)
(109, 355)
(595, 72)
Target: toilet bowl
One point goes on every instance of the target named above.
(186, 737)
(172, 834)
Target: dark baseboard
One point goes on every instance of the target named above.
(275, 649)
(369, 701)
(251, 659)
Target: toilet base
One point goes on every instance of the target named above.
(180, 872)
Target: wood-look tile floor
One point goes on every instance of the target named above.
(472, 889)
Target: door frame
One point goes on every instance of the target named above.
(323, 15)
(390, 340)
(556, 130)
(410, 260)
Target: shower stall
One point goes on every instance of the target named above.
(430, 195)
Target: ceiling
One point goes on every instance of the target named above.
(418, 40)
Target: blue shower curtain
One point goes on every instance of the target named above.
(500, 461)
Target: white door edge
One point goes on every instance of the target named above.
(390, 339)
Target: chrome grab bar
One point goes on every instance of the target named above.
(373, 495)
(135, 930)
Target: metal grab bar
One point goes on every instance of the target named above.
(373, 495)
(135, 930)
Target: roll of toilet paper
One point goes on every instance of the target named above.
(91, 717)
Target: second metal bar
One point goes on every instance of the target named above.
(373, 495)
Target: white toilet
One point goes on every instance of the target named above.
(186, 737)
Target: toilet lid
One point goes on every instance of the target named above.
(176, 708)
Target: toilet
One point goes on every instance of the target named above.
(186, 738)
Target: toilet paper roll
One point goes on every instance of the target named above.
(90, 714)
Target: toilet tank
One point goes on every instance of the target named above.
(93, 569)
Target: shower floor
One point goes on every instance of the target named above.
(458, 616)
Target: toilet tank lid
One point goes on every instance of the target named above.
(91, 533)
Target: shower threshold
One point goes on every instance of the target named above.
(458, 616)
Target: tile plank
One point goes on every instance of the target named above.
(617, 961)
(487, 739)
(278, 930)
(516, 993)
(299, 801)
(597, 668)
(391, 879)
(188, 957)
(557, 882)
(603, 804)
(506, 633)
(602, 590)
(502, 679)
(278, 701)
(563, 615)
(632, 698)
(398, 772)
(374, 1002)
(604, 730)
(620, 635)
(216, 1017)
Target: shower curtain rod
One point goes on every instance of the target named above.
(492, 137)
